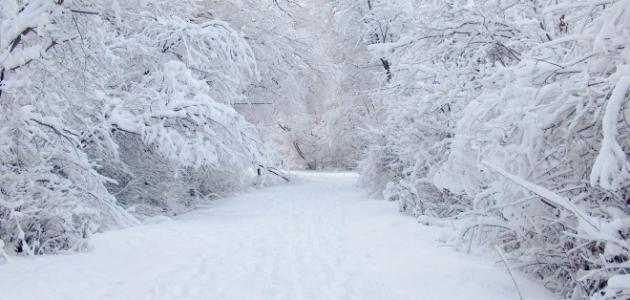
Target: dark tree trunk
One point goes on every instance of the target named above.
(387, 67)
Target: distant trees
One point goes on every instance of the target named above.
(507, 117)
(289, 41)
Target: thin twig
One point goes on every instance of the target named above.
(507, 266)
(85, 12)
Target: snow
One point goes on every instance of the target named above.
(611, 169)
(320, 237)
(619, 281)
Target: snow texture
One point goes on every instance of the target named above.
(320, 238)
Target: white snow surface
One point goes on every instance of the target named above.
(321, 237)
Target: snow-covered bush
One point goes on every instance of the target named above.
(177, 143)
(547, 150)
(112, 104)
(511, 118)
(52, 198)
(432, 70)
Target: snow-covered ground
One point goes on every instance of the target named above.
(319, 238)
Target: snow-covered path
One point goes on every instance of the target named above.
(319, 238)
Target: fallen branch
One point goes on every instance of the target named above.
(276, 172)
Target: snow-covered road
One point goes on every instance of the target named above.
(319, 238)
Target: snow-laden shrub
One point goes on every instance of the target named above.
(511, 118)
(108, 104)
(52, 199)
(547, 148)
(433, 70)
(180, 140)
(177, 143)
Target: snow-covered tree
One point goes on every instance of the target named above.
(547, 152)
(112, 104)
(52, 198)
(294, 44)
(507, 116)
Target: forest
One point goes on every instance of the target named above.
(505, 122)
